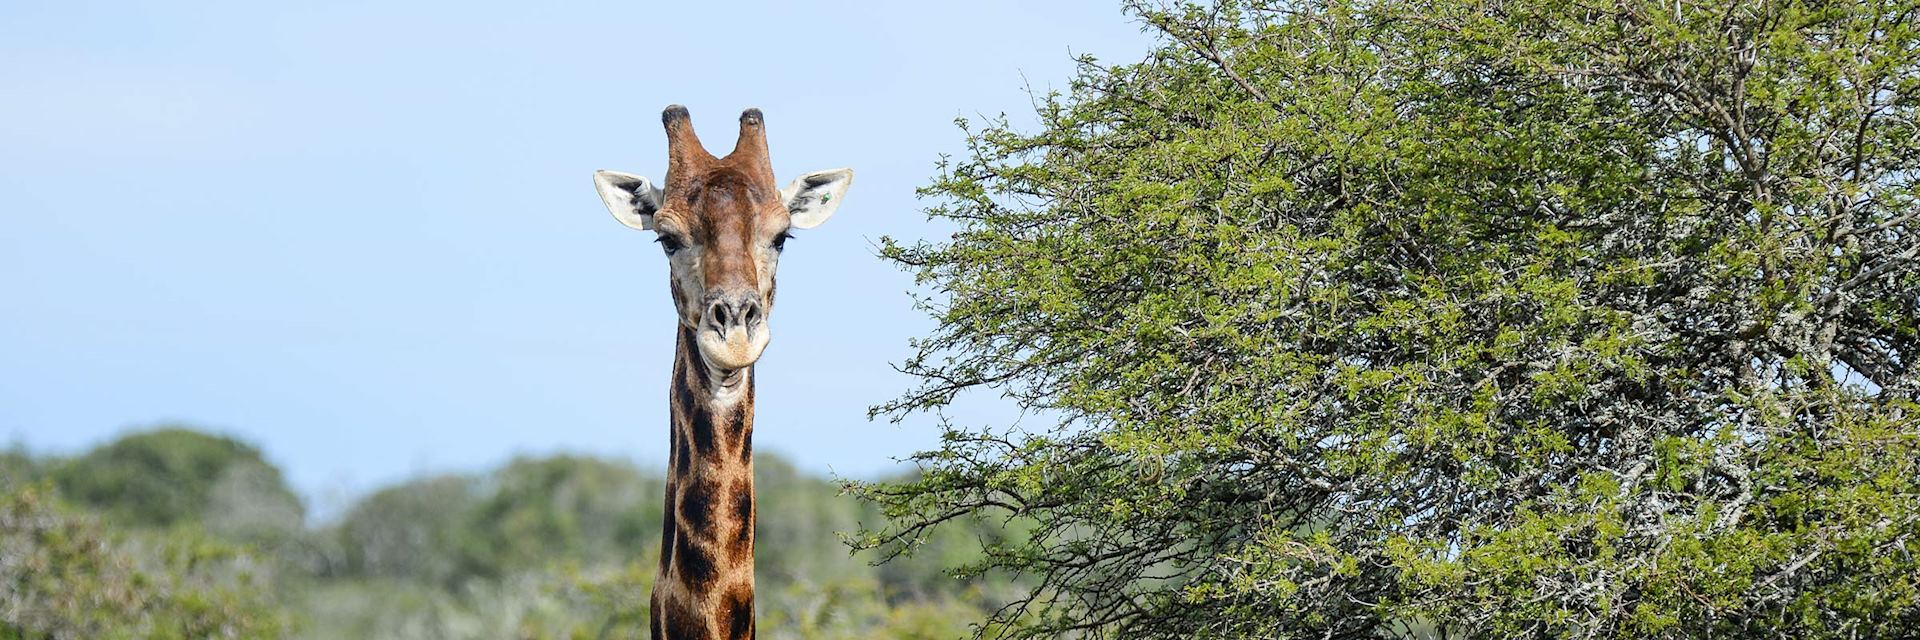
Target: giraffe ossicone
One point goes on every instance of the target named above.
(722, 223)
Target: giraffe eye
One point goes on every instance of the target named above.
(671, 245)
(780, 241)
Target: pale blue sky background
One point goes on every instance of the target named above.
(362, 234)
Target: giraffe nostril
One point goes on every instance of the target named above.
(727, 313)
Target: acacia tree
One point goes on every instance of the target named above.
(1545, 318)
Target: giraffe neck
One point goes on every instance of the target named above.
(704, 587)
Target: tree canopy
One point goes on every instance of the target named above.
(173, 474)
(1475, 319)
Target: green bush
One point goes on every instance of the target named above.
(174, 475)
(67, 578)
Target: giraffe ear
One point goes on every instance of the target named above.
(812, 198)
(631, 198)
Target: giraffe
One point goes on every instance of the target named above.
(722, 224)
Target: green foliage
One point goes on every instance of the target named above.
(67, 578)
(564, 506)
(1483, 319)
(413, 530)
(18, 468)
(855, 609)
(607, 602)
(174, 475)
(560, 547)
(564, 546)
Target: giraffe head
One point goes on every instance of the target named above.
(722, 223)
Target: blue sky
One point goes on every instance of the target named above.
(363, 235)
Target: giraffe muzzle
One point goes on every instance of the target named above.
(733, 330)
